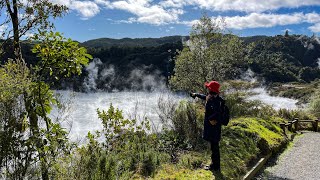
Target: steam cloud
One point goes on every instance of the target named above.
(108, 78)
(92, 69)
(141, 79)
(249, 76)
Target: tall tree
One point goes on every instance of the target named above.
(211, 53)
(30, 141)
(23, 17)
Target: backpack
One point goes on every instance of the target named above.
(225, 118)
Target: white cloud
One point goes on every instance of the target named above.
(145, 12)
(313, 17)
(240, 5)
(262, 20)
(169, 11)
(256, 20)
(86, 9)
(105, 3)
(315, 28)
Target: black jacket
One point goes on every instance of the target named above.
(213, 112)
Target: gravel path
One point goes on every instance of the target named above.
(302, 161)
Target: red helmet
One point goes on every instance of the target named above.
(213, 86)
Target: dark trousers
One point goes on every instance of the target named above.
(215, 156)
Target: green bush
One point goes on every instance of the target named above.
(126, 151)
(188, 123)
(314, 106)
(239, 106)
(290, 115)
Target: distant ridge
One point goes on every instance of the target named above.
(148, 42)
(130, 42)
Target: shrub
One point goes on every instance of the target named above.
(314, 106)
(239, 106)
(188, 122)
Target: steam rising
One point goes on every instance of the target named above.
(249, 76)
(139, 79)
(135, 105)
(262, 95)
(92, 69)
(276, 102)
(108, 74)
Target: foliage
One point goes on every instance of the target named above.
(169, 171)
(60, 57)
(286, 58)
(239, 106)
(243, 140)
(188, 123)
(314, 106)
(290, 115)
(299, 91)
(36, 14)
(14, 80)
(202, 60)
(31, 141)
(274, 59)
(106, 43)
(126, 151)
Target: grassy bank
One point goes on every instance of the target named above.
(244, 140)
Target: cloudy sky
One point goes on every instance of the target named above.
(90, 19)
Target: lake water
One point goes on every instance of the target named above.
(81, 116)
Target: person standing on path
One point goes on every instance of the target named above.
(212, 121)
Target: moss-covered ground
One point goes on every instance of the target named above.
(244, 141)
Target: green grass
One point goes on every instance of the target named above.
(170, 171)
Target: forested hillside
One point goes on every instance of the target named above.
(287, 58)
(282, 58)
(129, 42)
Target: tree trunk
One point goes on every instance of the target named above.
(15, 24)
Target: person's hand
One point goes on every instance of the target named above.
(193, 95)
(213, 122)
(208, 97)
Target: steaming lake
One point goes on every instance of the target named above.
(82, 117)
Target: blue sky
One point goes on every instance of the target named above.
(91, 19)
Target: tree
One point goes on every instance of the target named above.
(23, 17)
(211, 53)
(29, 136)
(30, 140)
(15, 155)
